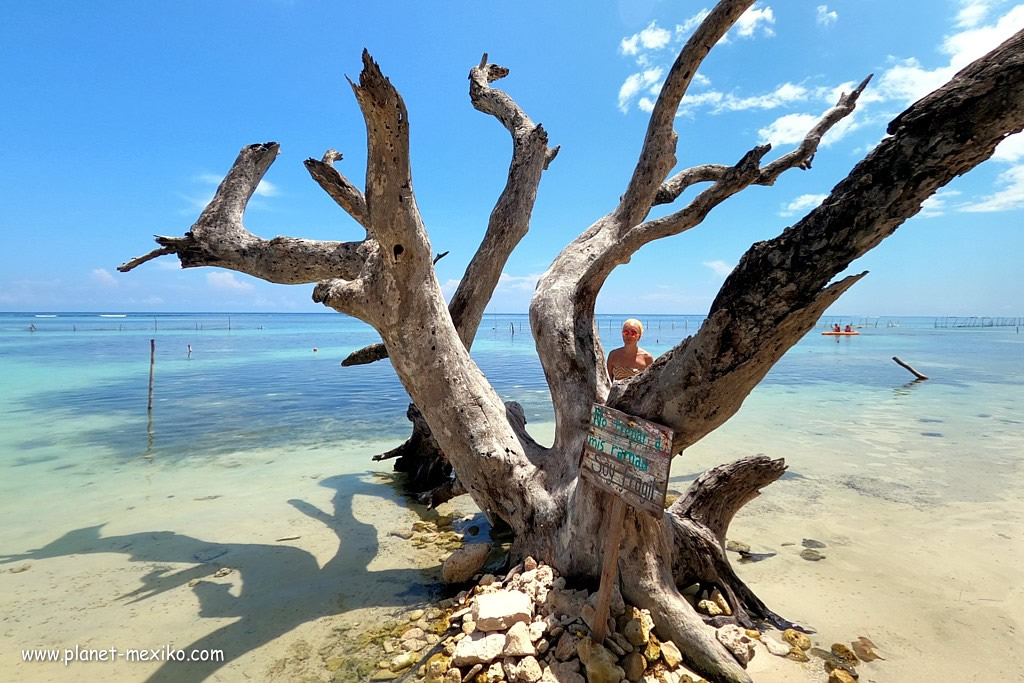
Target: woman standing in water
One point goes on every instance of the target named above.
(629, 359)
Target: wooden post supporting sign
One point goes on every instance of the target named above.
(629, 458)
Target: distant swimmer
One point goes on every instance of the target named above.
(190, 350)
(31, 327)
(314, 349)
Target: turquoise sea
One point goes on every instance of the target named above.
(259, 434)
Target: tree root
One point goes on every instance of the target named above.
(420, 457)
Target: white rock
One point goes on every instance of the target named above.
(461, 565)
(529, 671)
(775, 647)
(518, 643)
(737, 641)
(498, 611)
(537, 630)
(478, 648)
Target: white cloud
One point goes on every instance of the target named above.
(936, 204)
(825, 17)
(749, 21)
(787, 129)
(266, 189)
(1011, 149)
(449, 287)
(651, 38)
(226, 281)
(103, 277)
(684, 29)
(701, 80)
(720, 268)
(523, 283)
(645, 104)
(636, 83)
(787, 93)
(1011, 196)
(909, 81)
(802, 203)
(629, 46)
(973, 12)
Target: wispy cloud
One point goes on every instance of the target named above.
(973, 12)
(226, 282)
(802, 203)
(753, 19)
(826, 17)
(522, 283)
(636, 83)
(448, 288)
(653, 37)
(1010, 149)
(936, 205)
(103, 277)
(719, 268)
(907, 80)
(265, 188)
(1010, 195)
(787, 93)
(787, 129)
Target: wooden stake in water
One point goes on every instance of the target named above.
(152, 361)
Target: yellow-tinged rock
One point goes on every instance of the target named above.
(845, 654)
(796, 639)
(653, 649)
(709, 607)
(840, 676)
(753, 633)
(722, 603)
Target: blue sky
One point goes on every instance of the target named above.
(120, 118)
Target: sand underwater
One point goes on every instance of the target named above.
(915, 492)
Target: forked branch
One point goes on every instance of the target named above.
(800, 157)
(218, 238)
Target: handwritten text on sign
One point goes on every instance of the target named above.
(629, 457)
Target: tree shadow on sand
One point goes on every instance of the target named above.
(282, 586)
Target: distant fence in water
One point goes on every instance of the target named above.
(975, 321)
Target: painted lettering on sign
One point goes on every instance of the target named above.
(629, 457)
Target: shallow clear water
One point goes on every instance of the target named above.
(255, 403)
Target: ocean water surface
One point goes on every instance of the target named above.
(259, 433)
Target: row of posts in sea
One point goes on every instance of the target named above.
(975, 321)
(156, 326)
(611, 324)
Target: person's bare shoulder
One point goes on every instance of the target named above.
(648, 358)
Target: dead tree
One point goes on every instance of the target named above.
(772, 298)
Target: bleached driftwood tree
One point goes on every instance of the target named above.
(772, 298)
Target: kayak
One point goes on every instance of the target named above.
(840, 334)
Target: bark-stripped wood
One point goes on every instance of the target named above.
(772, 298)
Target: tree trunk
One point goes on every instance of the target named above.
(773, 298)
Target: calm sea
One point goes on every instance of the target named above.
(76, 387)
(259, 433)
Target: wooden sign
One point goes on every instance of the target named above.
(629, 457)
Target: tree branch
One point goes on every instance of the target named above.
(658, 155)
(218, 238)
(510, 219)
(343, 192)
(800, 157)
(778, 290)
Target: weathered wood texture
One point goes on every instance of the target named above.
(772, 298)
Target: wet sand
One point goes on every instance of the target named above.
(934, 582)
